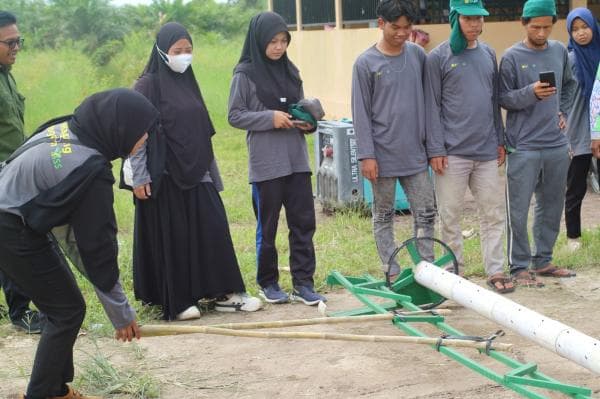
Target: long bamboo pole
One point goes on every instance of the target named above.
(321, 320)
(161, 330)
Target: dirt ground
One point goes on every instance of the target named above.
(206, 366)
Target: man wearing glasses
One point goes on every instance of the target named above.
(12, 109)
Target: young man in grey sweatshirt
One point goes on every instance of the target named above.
(538, 158)
(389, 120)
(465, 136)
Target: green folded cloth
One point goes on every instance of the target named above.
(297, 111)
(308, 110)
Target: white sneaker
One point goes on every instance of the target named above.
(190, 313)
(238, 302)
(573, 244)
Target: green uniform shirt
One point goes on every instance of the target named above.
(12, 104)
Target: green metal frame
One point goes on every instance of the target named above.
(406, 294)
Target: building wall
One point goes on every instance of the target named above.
(325, 57)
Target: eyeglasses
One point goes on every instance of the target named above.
(14, 42)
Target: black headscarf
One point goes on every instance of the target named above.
(113, 121)
(184, 117)
(274, 80)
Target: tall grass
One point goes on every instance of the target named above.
(54, 83)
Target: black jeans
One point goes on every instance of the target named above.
(294, 193)
(17, 302)
(37, 267)
(576, 189)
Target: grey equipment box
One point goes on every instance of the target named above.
(339, 181)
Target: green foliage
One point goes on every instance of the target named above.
(100, 29)
(128, 63)
(106, 52)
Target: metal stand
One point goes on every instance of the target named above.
(406, 294)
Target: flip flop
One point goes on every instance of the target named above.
(527, 279)
(553, 271)
(502, 280)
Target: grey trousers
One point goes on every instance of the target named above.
(543, 173)
(484, 182)
(419, 192)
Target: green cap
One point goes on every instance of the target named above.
(469, 7)
(539, 8)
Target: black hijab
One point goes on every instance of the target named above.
(274, 80)
(113, 121)
(183, 114)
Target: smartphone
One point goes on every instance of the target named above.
(548, 77)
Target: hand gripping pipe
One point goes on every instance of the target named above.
(551, 334)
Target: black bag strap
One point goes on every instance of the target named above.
(54, 121)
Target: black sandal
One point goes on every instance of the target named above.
(500, 279)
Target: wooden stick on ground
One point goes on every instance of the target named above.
(159, 330)
(319, 320)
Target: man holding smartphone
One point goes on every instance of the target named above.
(538, 158)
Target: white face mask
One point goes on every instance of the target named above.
(177, 63)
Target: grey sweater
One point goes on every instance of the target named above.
(578, 128)
(388, 110)
(461, 99)
(532, 124)
(43, 167)
(272, 153)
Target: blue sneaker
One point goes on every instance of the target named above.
(273, 294)
(307, 295)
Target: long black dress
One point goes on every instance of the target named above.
(182, 246)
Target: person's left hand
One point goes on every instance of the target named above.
(143, 192)
(438, 164)
(562, 121)
(127, 333)
(501, 155)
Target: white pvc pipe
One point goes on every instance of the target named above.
(551, 334)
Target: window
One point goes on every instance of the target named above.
(287, 9)
(318, 12)
(357, 12)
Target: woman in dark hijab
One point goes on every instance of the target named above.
(584, 56)
(183, 250)
(60, 181)
(265, 83)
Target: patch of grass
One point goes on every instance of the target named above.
(54, 83)
(586, 257)
(97, 375)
